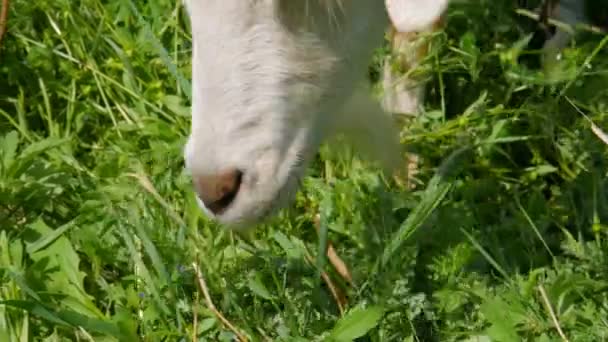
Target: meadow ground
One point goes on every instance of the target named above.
(503, 238)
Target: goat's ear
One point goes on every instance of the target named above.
(414, 15)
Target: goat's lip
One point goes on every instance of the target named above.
(240, 222)
(204, 208)
(209, 209)
(259, 212)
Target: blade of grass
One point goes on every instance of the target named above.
(438, 187)
(486, 255)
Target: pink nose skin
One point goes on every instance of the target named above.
(218, 191)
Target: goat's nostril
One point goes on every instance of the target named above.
(218, 191)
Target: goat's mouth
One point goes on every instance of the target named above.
(265, 183)
(258, 200)
(252, 214)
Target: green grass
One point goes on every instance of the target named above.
(502, 239)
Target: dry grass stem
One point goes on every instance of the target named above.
(338, 295)
(202, 284)
(543, 294)
(333, 257)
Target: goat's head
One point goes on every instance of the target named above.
(270, 78)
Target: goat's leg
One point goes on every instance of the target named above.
(374, 135)
(403, 93)
(374, 132)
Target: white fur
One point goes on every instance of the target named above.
(272, 80)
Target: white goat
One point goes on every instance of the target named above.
(272, 80)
